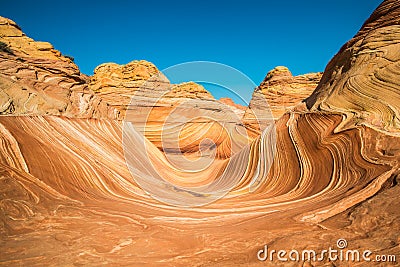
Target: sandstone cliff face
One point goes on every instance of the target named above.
(283, 91)
(116, 84)
(362, 80)
(35, 79)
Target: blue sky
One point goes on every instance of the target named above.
(251, 36)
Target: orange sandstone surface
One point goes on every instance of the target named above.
(69, 197)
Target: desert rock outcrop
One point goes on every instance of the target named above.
(283, 91)
(363, 79)
(36, 79)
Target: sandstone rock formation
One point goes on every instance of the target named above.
(116, 84)
(362, 80)
(283, 91)
(238, 109)
(35, 79)
(71, 191)
(144, 96)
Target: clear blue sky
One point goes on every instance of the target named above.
(252, 36)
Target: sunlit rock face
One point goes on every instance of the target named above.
(280, 92)
(36, 79)
(362, 80)
(68, 196)
(116, 84)
(283, 90)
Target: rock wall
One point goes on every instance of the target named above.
(362, 80)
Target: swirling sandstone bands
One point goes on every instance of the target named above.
(91, 183)
(35, 79)
(362, 80)
(67, 196)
